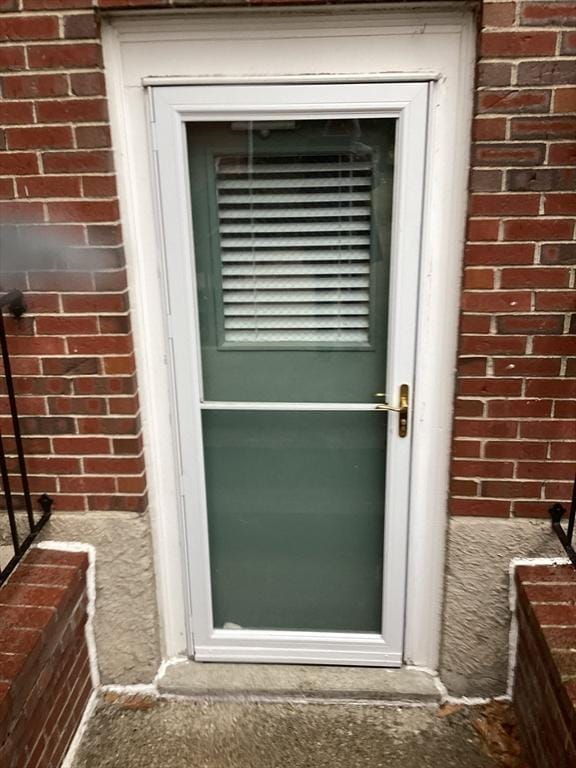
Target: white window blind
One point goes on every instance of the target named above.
(295, 247)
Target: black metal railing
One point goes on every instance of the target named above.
(19, 523)
(557, 512)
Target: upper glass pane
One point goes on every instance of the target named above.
(292, 239)
(295, 247)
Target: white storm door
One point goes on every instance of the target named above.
(292, 221)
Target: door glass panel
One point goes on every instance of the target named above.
(292, 240)
(292, 227)
(296, 519)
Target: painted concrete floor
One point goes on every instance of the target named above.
(234, 734)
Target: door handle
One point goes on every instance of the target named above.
(401, 409)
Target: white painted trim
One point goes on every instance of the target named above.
(431, 40)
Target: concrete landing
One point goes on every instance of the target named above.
(178, 734)
(294, 682)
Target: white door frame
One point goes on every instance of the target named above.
(395, 43)
(174, 106)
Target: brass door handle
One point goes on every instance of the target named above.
(401, 409)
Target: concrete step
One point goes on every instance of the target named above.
(298, 682)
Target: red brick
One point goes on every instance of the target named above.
(537, 574)
(546, 470)
(527, 366)
(116, 465)
(482, 469)
(535, 277)
(551, 72)
(40, 137)
(498, 14)
(517, 44)
(479, 507)
(38, 556)
(568, 45)
(88, 84)
(493, 345)
(19, 640)
(60, 281)
(83, 211)
(490, 387)
(81, 26)
(555, 615)
(482, 229)
(34, 5)
(101, 345)
(489, 129)
(538, 229)
(99, 186)
(131, 484)
(463, 449)
(561, 204)
(474, 324)
(34, 86)
(44, 575)
(67, 324)
(16, 112)
(81, 445)
(48, 186)
(484, 428)
(25, 618)
(505, 204)
(517, 449)
(72, 55)
(496, 301)
(551, 388)
(93, 161)
(72, 111)
(12, 57)
(54, 465)
(556, 301)
(490, 73)
(496, 254)
(565, 409)
(541, 179)
(548, 13)
(514, 101)
(554, 345)
(510, 489)
(523, 409)
(485, 181)
(543, 127)
(565, 100)
(530, 324)
(6, 189)
(556, 430)
(85, 484)
(93, 136)
(478, 278)
(114, 426)
(508, 154)
(21, 211)
(24, 28)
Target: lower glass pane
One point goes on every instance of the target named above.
(295, 515)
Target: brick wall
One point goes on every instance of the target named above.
(545, 684)
(514, 447)
(75, 349)
(44, 669)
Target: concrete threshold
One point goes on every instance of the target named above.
(299, 682)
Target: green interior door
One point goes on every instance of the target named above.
(292, 242)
